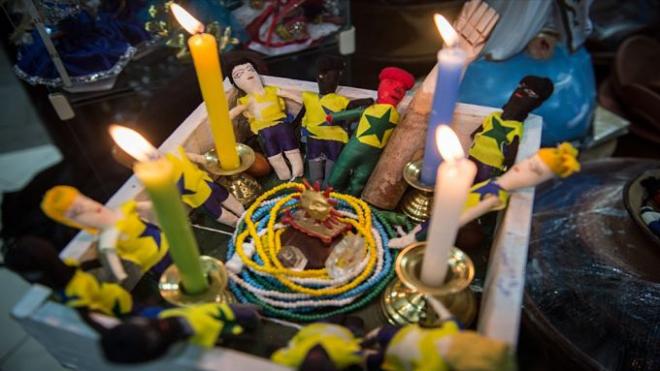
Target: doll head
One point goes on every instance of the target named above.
(68, 206)
(531, 92)
(243, 75)
(329, 69)
(394, 82)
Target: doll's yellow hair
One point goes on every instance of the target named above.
(57, 202)
(562, 160)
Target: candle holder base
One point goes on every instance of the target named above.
(404, 300)
(241, 185)
(171, 289)
(418, 201)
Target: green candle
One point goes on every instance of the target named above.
(157, 176)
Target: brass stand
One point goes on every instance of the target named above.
(404, 300)
(241, 185)
(170, 288)
(417, 202)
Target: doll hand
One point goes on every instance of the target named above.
(473, 25)
(405, 239)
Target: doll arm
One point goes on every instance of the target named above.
(109, 258)
(287, 94)
(234, 112)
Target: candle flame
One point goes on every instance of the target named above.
(133, 143)
(449, 146)
(187, 21)
(445, 29)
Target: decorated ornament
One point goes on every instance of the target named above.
(495, 143)
(316, 216)
(360, 155)
(258, 276)
(265, 110)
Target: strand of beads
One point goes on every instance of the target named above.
(305, 295)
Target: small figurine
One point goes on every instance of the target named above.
(122, 230)
(317, 216)
(360, 155)
(495, 143)
(143, 339)
(325, 138)
(321, 346)
(493, 194)
(442, 348)
(37, 261)
(265, 110)
(199, 190)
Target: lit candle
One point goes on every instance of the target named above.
(454, 178)
(157, 175)
(204, 51)
(449, 73)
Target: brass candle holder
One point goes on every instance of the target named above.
(418, 201)
(241, 185)
(172, 291)
(405, 299)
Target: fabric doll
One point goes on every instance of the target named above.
(199, 190)
(495, 143)
(143, 339)
(360, 155)
(265, 110)
(325, 138)
(321, 346)
(37, 261)
(441, 348)
(121, 230)
(493, 194)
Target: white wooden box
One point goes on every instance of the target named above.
(74, 344)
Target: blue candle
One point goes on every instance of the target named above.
(450, 72)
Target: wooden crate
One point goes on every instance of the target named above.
(74, 344)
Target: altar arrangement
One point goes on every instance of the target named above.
(305, 250)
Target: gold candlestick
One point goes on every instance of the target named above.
(173, 292)
(404, 300)
(241, 185)
(417, 202)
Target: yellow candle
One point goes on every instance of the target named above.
(157, 175)
(204, 51)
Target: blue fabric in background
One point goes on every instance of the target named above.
(567, 114)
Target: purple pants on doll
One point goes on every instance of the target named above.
(318, 148)
(278, 138)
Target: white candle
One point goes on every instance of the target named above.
(454, 179)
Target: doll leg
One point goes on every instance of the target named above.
(289, 144)
(361, 174)
(347, 161)
(232, 204)
(314, 160)
(272, 150)
(295, 159)
(332, 151)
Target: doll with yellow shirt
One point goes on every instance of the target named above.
(265, 109)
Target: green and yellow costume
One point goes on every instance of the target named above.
(359, 157)
(337, 341)
(85, 291)
(317, 108)
(491, 145)
(208, 321)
